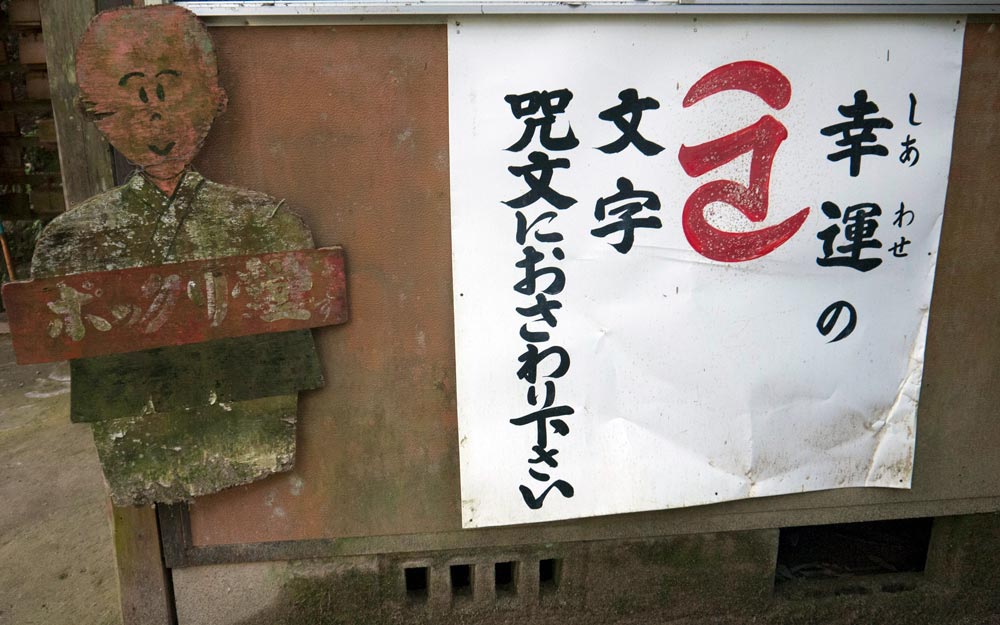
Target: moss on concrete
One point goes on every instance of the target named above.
(718, 579)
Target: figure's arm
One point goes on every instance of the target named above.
(80, 240)
(54, 250)
(241, 221)
(290, 230)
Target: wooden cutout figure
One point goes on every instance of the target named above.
(178, 421)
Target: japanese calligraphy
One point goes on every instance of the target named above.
(691, 258)
(549, 104)
(146, 307)
(538, 175)
(626, 117)
(69, 308)
(278, 288)
(625, 205)
(857, 134)
(541, 280)
(828, 320)
(851, 239)
(898, 248)
(910, 154)
(860, 223)
(762, 140)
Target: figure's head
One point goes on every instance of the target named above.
(148, 78)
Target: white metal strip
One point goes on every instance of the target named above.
(282, 10)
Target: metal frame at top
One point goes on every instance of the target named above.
(297, 9)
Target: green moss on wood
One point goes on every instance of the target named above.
(201, 374)
(169, 457)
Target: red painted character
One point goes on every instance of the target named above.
(762, 139)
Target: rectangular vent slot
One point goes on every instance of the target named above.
(461, 580)
(549, 574)
(852, 549)
(416, 582)
(505, 578)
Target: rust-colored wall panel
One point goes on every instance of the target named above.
(350, 125)
(958, 421)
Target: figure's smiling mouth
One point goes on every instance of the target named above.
(161, 151)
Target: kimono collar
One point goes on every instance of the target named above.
(167, 213)
(139, 187)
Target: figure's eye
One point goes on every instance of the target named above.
(159, 92)
(142, 94)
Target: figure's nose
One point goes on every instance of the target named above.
(161, 95)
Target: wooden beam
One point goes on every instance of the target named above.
(21, 68)
(12, 177)
(23, 13)
(22, 142)
(39, 107)
(143, 582)
(84, 155)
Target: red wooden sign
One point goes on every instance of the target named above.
(110, 312)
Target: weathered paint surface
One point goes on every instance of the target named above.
(99, 313)
(202, 374)
(366, 161)
(148, 79)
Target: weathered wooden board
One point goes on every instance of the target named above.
(179, 455)
(84, 158)
(142, 579)
(111, 312)
(200, 374)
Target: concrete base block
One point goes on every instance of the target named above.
(720, 578)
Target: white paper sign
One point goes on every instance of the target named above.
(693, 257)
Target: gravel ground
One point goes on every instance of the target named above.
(56, 551)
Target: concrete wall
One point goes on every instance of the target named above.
(702, 578)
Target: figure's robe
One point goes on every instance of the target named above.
(176, 422)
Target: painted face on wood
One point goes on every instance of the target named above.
(149, 80)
